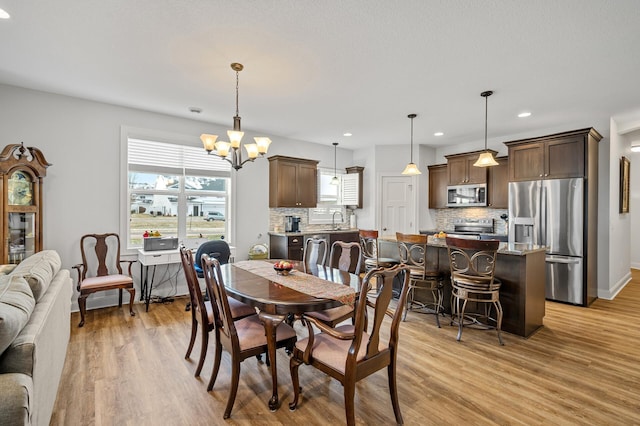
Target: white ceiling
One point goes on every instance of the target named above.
(315, 69)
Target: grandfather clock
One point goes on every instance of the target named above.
(22, 170)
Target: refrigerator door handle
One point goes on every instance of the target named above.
(558, 259)
(542, 234)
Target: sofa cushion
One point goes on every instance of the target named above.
(16, 306)
(39, 269)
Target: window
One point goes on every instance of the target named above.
(328, 199)
(175, 189)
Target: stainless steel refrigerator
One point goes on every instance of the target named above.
(551, 213)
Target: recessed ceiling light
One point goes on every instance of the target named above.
(4, 14)
(348, 134)
(438, 134)
(524, 114)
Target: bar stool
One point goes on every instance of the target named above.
(370, 250)
(473, 264)
(423, 276)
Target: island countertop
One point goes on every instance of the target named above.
(312, 232)
(516, 249)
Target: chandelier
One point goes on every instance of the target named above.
(231, 151)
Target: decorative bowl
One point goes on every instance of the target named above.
(283, 271)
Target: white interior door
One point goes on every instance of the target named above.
(397, 207)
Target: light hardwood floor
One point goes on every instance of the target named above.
(582, 367)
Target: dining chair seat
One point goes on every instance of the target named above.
(332, 315)
(251, 332)
(333, 352)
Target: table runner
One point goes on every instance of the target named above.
(299, 281)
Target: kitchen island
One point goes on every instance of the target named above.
(520, 267)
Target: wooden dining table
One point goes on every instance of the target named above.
(275, 300)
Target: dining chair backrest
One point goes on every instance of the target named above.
(372, 323)
(346, 256)
(315, 253)
(193, 285)
(219, 301)
(100, 255)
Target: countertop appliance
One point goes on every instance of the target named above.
(292, 224)
(551, 213)
(473, 195)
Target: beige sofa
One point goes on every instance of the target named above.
(35, 309)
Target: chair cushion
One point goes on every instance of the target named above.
(16, 305)
(329, 315)
(333, 352)
(251, 332)
(39, 269)
(239, 309)
(106, 281)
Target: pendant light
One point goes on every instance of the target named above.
(486, 158)
(335, 180)
(411, 168)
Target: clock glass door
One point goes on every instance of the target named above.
(21, 242)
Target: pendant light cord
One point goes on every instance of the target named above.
(486, 114)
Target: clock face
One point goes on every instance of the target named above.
(20, 189)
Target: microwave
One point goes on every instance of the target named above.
(467, 195)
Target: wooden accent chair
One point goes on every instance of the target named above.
(473, 264)
(349, 353)
(315, 253)
(341, 258)
(202, 311)
(101, 270)
(413, 250)
(242, 338)
(370, 250)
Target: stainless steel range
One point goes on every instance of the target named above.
(471, 228)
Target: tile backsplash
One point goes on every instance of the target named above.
(444, 217)
(276, 220)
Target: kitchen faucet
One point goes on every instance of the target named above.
(333, 219)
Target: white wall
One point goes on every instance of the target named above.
(633, 138)
(612, 222)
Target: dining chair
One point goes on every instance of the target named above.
(343, 256)
(315, 253)
(370, 250)
(414, 250)
(101, 270)
(473, 264)
(202, 311)
(242, 338)
(349, 353)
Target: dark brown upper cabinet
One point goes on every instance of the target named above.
(556, 156)
(498, 184)
(292, 182)
(438, 181)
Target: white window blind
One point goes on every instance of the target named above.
(145, 155)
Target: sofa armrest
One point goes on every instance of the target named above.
(15, 391)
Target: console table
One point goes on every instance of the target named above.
(153, 258)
